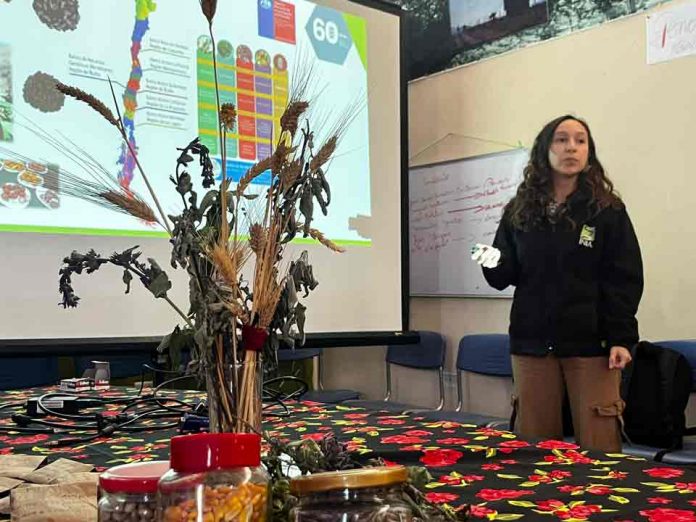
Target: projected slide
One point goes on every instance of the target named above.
(159, 57)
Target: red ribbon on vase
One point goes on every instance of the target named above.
(253, 338)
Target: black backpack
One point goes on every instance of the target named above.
(656, 387)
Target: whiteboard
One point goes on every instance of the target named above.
(453, 206)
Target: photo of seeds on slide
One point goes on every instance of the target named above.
(5, 93)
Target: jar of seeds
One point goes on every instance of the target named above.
(359, 495)
(214, 477)
(128, 493)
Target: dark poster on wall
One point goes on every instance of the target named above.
(446, 33)
(475, 22)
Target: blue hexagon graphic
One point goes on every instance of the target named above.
(329, 35)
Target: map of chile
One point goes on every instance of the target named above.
(143, 8)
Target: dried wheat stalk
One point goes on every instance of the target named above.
(289, 121)
(316, 234)
(257, 238)
(90, 100)
(324, 153)
(130, 204)
(256, 170)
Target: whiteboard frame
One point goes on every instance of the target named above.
(449, 162)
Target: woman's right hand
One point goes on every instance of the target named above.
(485, 255)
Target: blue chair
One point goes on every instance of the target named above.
(320, 395)
(427, 354)
(26, 372)
(484, 354)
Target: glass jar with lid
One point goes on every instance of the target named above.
(128, 493)
(214, 477)
(366, 494)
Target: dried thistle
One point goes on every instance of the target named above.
(228, 115)
(257, 238)
(90, 100)
(324, 153)
(316, 234)
(256, 170)
(289, 121)
(130, 204)
(209, 7)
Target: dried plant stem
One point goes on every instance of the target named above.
(224, 226)
(124, 136)
(235, 377)
(249, 412)
(165, 220)
(178, 310)
(224, 386)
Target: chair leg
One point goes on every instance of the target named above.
(460, 394)
(441, 377)
(389, 384)
(441, 403)
(320, 373)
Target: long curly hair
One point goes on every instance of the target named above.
(529, 208)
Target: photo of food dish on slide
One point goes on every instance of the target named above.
(28, 185)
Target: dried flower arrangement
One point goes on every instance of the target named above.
(235, 324)
(232, 320)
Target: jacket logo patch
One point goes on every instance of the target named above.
(587, 236)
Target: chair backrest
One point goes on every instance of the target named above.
(488, 354)
(428, 353)
(687, 347)
(27, 372)
(298, 354)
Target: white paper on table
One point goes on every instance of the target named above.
(671, 33)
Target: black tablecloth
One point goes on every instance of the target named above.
(500, 475)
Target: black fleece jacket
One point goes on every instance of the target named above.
(577, 287)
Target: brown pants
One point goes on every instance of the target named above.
(593, 390)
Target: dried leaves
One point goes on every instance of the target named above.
(150, 274)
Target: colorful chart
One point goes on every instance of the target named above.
(157, 55)
(143, 8)
(257, 84)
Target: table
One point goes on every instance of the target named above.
(500, 475)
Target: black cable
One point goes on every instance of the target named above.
(42, 407)
(12, 405)
(159, 403)
(17, 429)
(25, 420)
(153, 369)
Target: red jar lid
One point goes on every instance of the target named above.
(211, 451)
(139, 477)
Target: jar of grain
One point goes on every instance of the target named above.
(214, 477)
(128, 493)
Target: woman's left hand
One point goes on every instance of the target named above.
(619, 357)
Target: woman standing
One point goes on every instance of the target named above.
(568, 246)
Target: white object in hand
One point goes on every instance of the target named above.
(485, 255)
